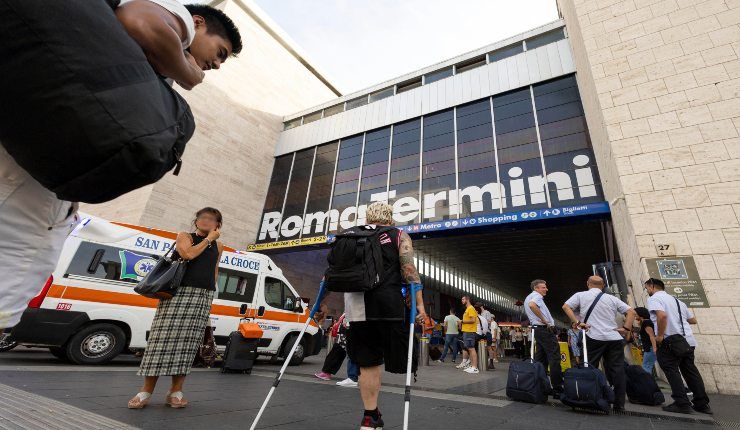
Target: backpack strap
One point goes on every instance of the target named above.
(680, 317)
(590, 309)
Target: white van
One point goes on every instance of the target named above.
(87, 311)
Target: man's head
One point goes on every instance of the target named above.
(479, 305)
(216, 36)
(540, 286)
(595, 282)
(465, 300)
(379, 213)
(653, 285)
(642, 314)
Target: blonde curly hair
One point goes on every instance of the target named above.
(380, 213)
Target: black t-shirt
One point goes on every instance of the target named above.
(200, 271)
(645, 337)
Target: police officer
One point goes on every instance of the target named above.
(548, 350)
(603, 338)
(676, 344)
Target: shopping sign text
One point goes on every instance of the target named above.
(579, 181)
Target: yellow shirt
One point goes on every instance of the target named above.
(470, 314)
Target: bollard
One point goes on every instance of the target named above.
(482, 356)
(424, 351)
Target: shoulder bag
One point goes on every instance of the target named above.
(164, 279)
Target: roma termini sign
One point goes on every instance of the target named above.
(572, 187)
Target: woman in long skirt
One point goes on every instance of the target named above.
(179, 323)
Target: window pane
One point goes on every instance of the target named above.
(545, 38)
(505, 52)
(360, 101)
(470, 64)
(115, 264)
(276, 190)
(333, 110)
(312, 117)
(236, 286)
(437, 75)
(408, 85)
(439, 138)
(274, 292)
(379, 95)
(292, 123)
(298, 188)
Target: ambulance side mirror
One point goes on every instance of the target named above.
(261, 311)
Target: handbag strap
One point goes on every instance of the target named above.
(590, 309)
(680, 317)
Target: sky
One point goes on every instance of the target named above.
(360, 43)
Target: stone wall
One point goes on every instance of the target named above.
(227, 164)
(660, 82)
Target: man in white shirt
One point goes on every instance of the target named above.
(547, 349)
(672, 320)
(496, 338)
(597, 312)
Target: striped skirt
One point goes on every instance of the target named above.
(176, 333)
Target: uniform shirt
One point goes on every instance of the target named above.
(470, 314)
(603, 317)
(451, 322)
(495, 331)
(662, 301)
(537, 298)
(176, 8)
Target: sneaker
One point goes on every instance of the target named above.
(323, 376)
(347, 383)
(439, 361)
(463, 364)
(703, 409)
(677, 409)
(368, 423)
(471, 369)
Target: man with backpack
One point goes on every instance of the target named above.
(370, 264)
(179, 43)
(676, 345)
(597, 312)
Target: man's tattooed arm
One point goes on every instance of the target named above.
(406, 256)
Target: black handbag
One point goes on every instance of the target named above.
(677, 343)
(164, 279)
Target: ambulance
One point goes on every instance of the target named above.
(88, 312)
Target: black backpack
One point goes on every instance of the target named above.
(81, 109)
(641, 387)
(355, 260)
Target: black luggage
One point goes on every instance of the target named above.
(434, 353)
(641, 387)
(586, 387)
(240, 354)
(81, 109)
(527, 380)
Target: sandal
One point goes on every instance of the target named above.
(140, 400)
(176, 400)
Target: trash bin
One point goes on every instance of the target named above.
(482, 356)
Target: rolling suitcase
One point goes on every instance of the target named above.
(240, 354)
(641, 387)
(586, 387)
(527, 380)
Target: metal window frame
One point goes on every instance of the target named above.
(539, 145)
(501, 200)
(285, 197)
(308, 192)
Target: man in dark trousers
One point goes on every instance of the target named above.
(672, 320)
(547, 348)
(603, 338)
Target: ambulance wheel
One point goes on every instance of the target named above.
(298, 355)
(58, 352)
(96, 344)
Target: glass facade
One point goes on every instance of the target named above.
(524, 149)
